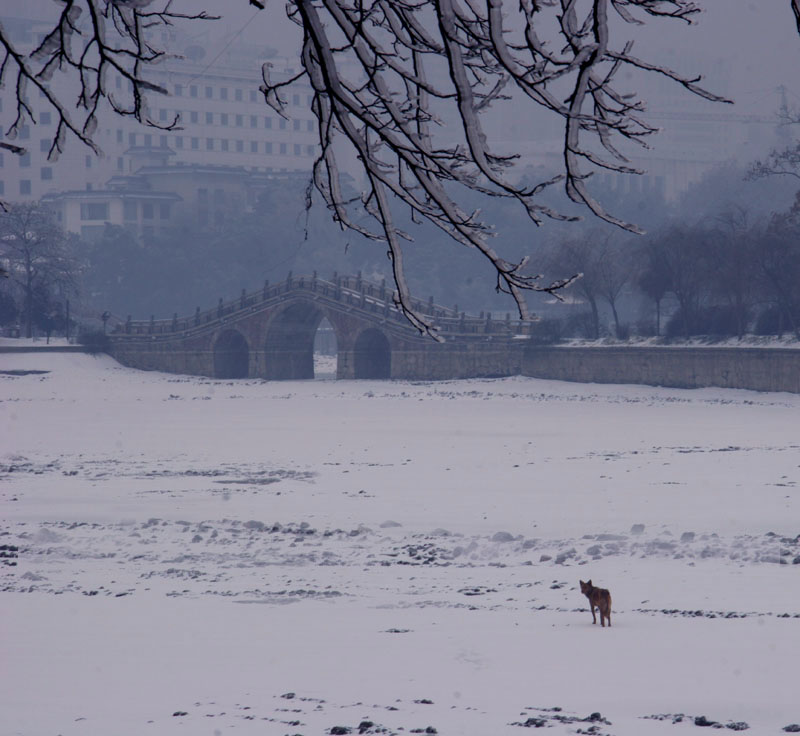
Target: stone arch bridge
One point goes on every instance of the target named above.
(270, 334)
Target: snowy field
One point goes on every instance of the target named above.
(187, 556)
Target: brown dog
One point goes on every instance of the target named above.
(600, 598)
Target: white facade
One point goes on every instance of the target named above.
(223, 120)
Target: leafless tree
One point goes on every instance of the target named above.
(733, 250)
(684, 253)
(785, 162)
(615, 267)
(39, 256)
(385, 75)
(653, 275)
(582, 255)
(778, 266)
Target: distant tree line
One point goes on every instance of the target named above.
(725, 275)
(717, 262)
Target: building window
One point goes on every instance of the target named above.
(118, 82)
(178, 90)
(223, 93)
(25, 161)
(178, 141)
(224, 143)
(46, 173)
(253, 96)
(130, 210)
(92, 232)
(24, 132)
(268, 123)
(120, 163)
(195, 143)
(310, 126)
(295, 125)
(209, 93)
(238, 95)
(209, 144)
(193, 90)
(209, 118)
(283, 148)
(162, 114)
(131, 139)
(296, 100)
(119, 135)
(2, 187)
(1, 160)
(309, 100)
(148, 139)
(163, 210)
(310, 150)
(239, 121)
(267, 147)
(202, 195)
(45, 118)
(147, 211)
(44, 145)
(282, 124)
(88, 162)
(239, 146)
(193, 116)
(162, 141)
(253, 146)
(253, 121)
(297, 151)
(223, 118)
(94, 211)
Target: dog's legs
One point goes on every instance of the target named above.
(594, 618)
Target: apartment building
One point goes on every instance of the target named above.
(162, 192)
(221, 119)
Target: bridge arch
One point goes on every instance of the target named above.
(231, 355)
(372, 355)
(289, 345)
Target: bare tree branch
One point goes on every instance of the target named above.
(385, 72)
(89, 41)
(402, 86)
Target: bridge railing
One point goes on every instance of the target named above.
(351, 291)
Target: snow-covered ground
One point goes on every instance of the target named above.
(190, 556)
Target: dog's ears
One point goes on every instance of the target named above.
(589, 582)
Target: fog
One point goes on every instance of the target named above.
(746, 51)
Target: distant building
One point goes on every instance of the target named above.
(223, 119)
(159, 194)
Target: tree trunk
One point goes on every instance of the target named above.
(658, 317)
(29, 308)
(595, 319)
(616, 318)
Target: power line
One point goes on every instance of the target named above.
(223, 49)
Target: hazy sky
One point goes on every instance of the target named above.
(756, 41)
